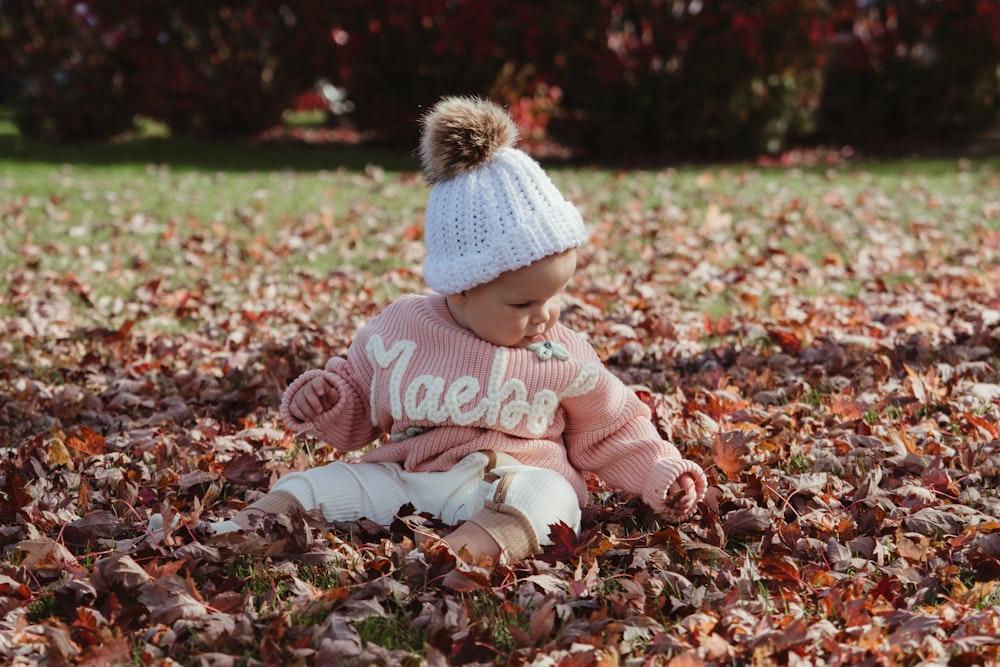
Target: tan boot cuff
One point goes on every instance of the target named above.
(510, 528)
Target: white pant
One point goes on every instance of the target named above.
(376, 491)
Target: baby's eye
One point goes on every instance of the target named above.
(520, 305)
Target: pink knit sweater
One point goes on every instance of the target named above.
(440, 393)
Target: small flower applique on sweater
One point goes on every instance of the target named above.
(546, 350)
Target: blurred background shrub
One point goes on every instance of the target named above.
(597, 78)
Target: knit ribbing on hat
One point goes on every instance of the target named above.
(501, 216)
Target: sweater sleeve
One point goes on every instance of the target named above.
(347, 425)
(609, 432)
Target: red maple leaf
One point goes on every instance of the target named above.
(566, 544)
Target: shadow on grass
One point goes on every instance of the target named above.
(208, 155)
(282, 154)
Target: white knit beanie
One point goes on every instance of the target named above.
(492, 208)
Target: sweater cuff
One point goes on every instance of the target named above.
(662, 476)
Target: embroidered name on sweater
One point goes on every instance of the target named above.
(429, 397)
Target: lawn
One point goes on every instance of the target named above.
(823, 338)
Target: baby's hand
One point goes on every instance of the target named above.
(313, 399)
(682, 496)
(673, 488)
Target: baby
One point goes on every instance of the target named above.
(487, 410)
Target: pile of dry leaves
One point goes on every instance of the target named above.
(844, 404)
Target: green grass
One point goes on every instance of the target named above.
(42, 608)
(115, 216)
(108, 219)
(820, 215)
(394, 633)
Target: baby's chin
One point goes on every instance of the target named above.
(528, 340)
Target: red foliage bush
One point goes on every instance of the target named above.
(686, 75)
(70, 86)
(601, 77)
(906, 69)
(397, 57)
(87, 68)
(206, 68)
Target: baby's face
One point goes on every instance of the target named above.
(518, 307)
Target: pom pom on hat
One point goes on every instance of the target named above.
(492, 208)
(462, 133)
